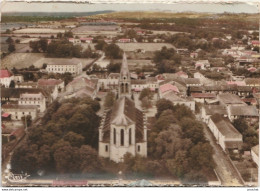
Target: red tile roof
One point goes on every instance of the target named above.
(203, 95)
(5, 74)
(168, 87)
(49, 82)
(6, 114)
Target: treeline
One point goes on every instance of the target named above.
(177, 147)
(64, 142)
(6, 19)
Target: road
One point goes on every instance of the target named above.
(224, 168)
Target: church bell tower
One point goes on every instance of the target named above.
(124, 79)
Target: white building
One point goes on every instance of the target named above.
(123, 128)
(226, 134)
(5, 78)
(73, 66)
(19, 111)
(176, 100)
(111, 82)
(255, 154)
(208, 110)
(36, 99)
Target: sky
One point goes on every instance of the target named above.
(73, 7)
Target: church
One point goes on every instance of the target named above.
(123, 127)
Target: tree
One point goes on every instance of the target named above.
(44, 66)
(12, 84)
(59, 35)
(240, 124)
(146, 92)
(146, 102)
(8, 31)
(101, 45)
(113, 51)
(9, 40)
(43, 44)
(75, 140)
(113, 67)
(109, 99)
(90, 161)
(162, 105)
(68, 34)
(67, 159)
(17, 41)
(34, 45)
(11, 48)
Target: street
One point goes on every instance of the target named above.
(224, 168)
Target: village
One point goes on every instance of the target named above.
(130, 69)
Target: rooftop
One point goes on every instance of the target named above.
(214, 109)
(255, 149)
(229, 98)
(245, 110)
(225, 127)
(49, 82)
(16, 106)
(5, 74)
(64, 61)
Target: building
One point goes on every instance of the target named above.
(111, 82)
(202, 97)
(208, 110)
(61, 65)
(18, 111)
(123, 127)
(5, 78)
(124, 40)
(83, 83)
(227, 136)
(165, 88)
(176, 100)
(52, 86)
(248, 112)
(255, 154)
(227, 99)
(34, 99)
(29, 84)
(202, 64)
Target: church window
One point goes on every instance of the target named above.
(126, 88)
(138, 148)
(122, 88)
(106, 148)
(114, 136)
(122, 137)
(130, 136)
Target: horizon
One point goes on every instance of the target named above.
(10, 7)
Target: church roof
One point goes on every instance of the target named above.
(124, 113)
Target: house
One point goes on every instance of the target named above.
(62, 65)
(194, 54)
(13, 94)
(123, 127)
(124, 40)
(208, 110)
(227, 136)
(18, 78)
(35, 99)
(138, 85)
(50, 83)
(5, 78)
(75, 40)
(29, 84)
(255, 43)
(163, 89)
(227, 99)
(253, 82)
(83, 83)
(255, 154)
(18, 111)
(246, 111)
(86, 40)
(182, 74)
(111, 82)
(177, 100)
(202, 64)
(183, 51)
(202, 97)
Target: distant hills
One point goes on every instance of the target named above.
(56, 14)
